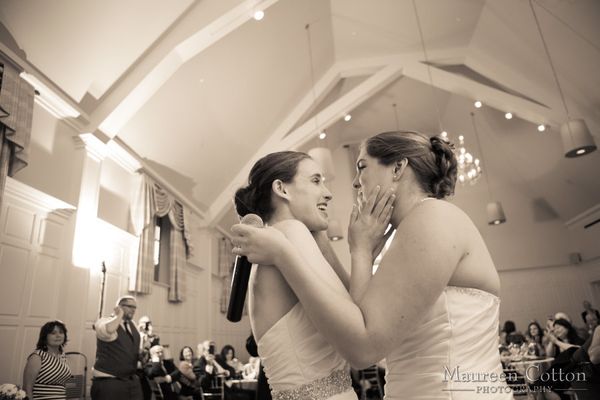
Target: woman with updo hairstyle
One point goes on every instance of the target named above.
(255, 198)
(431, 308)
(287, 189)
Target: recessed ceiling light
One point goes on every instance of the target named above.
(258, 15)
(478, 104)
(508, 115)
(322, 135)
(347, 117)
(444, 134)
(541, 127)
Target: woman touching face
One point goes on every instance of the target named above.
(369, 174)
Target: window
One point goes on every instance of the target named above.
(162, 232)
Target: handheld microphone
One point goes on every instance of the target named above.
(241, 275)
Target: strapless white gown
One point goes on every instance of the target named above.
(448, 354)
(300, 363)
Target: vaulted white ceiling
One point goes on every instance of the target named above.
(199, 89)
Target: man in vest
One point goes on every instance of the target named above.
(117, 354)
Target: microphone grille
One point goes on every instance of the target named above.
(253, 220)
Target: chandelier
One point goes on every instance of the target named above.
(469, 170)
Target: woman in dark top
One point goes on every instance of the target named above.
(562, 337)
(228, 361)
(46, 371)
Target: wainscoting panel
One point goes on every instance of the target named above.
(13, 270)
(44, 290)
(38, 282)
(8, 355)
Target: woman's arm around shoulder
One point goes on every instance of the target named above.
(412, 275)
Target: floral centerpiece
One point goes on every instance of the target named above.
(8, 391)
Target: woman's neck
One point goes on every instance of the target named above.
(406, 200)
(280, 214)
(53, 349)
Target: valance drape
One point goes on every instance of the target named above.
(151, 201)
(16, 112)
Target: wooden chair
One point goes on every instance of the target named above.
(217, 389)
(156, 390)
(519, 387)
(369, 380)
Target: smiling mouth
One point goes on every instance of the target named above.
(322, 207)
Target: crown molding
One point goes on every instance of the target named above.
(37, 198)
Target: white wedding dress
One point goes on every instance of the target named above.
(300, 364)
(452, 353)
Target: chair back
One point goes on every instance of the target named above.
(155, 387)
(217, 389)
(76, 385)
(369, 382)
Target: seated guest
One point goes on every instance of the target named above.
(510, 335)
(228, 361)
(148, 339)
(562, 337)
(46, 371)
(513, 378)
(587, 309)
(587, 359)
(163, 372)
(148, 336)
(206, 369)
(190, 386)
(535, 336)
(591, 321)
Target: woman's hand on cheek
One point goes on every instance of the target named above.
(369, 221)
(259, 245)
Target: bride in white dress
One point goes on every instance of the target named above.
(432, 307)
(298, 361)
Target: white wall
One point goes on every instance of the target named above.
(534, 293)
(38, 281)
(54, 163)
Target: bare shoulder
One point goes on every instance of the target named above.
(438, 218)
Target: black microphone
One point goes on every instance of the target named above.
(241, 275)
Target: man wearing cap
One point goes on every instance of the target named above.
(117, 354)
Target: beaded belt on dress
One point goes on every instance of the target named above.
(319, 389)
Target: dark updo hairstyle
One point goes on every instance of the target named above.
(42, 343)
(255, 198)
(432, 159)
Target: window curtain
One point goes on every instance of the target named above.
(16, 112)
(225, 271)
(151, 201)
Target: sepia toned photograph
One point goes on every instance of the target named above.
(299, 199)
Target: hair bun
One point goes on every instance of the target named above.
(243, 200)
(447, 167)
